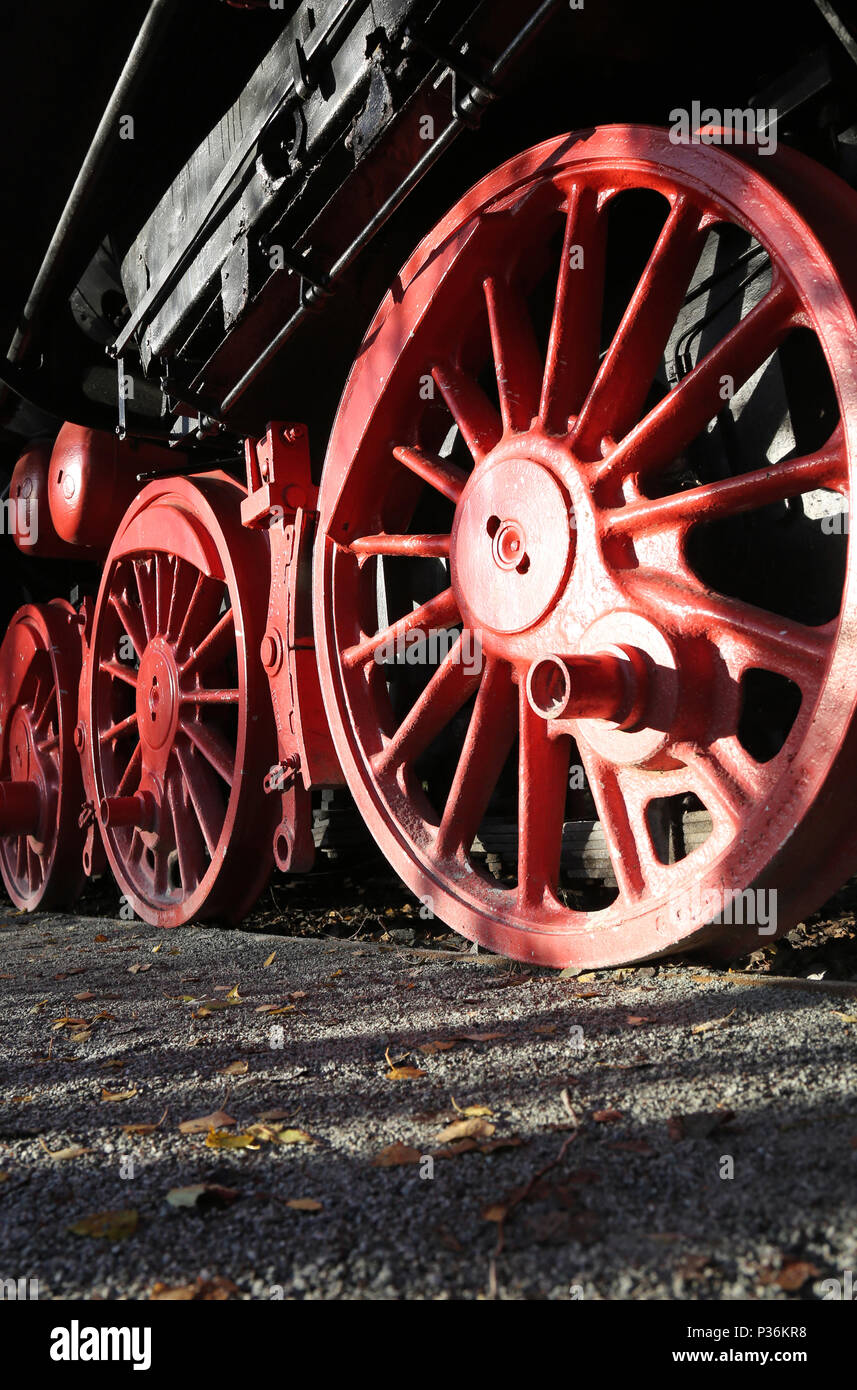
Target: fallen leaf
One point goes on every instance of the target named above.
(466, 1129)
(404, 1074)
(294, 1136)
(472, 1112)
(101, 937)
(85, 996)
(74, 1151)
(305, 1204)
(497, 1212)
(202, 1195)
(239, 1068)
(846, 1018)
(607, 1117)
(22, 1100)
(222, 1139)
(711, 1023)
(233, 994)
(276, 1009)
(637, 1020)
(144, 1128)
(395, 1155)
(270, 961)
(480, 1037)
(215, 1290)
(118, 1095)
(217, 1120)
(107, 1225)
(698, 1125)
(633, 1146)
(275, 1115)
(430, 1048)
(791, 1276)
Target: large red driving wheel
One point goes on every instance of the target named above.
(179, 726)
(41, 792)
(649, 661)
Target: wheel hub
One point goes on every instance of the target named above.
(512, 544)
(157, 698)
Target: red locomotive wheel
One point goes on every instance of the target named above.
(578, 571)
(41, 791)
(179, 726)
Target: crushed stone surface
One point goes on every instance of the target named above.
(667, 1132)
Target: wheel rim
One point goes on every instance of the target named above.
(40, 857)
(180, 731)
(570, 556)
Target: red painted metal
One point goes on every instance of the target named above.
(40, 784)
(94, 477)
(568, 573)
(176, 726)
(33, 530)
(281, 499)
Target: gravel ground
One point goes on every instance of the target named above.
(619, 1104)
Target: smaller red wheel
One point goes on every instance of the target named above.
(178, 721)
(41, 790)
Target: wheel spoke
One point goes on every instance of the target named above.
(210, 697)
(213, 747)
(726, 777)
(543, 763)
(216, 645)
(117, 671)
(49, 708)
(728, 496)
(760, 638)
(626, 374)
(439, 473)
(616, 822)
(437, 614)
(202, 613)
(422, 547)
(517, 361)
(164, 588)
(572, 357)
(188, 836)
(449, 688)
(205, 796)
(683, 414)
(131, 775)
(125, 726)
(186, 580)
(490, 734)
(131, 619)
(146, 588)
(475, 416)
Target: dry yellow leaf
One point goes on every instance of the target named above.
(74, 1151)
(222, 1139)
(118, 1095)
(472, 1112)
(218, 1119)
(466, 1129)
(711, 1023)
(305, 1204)
(270, 961)
(239, 1068)
(107, 1225)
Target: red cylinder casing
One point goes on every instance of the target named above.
(28, 518)
(93, 481)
